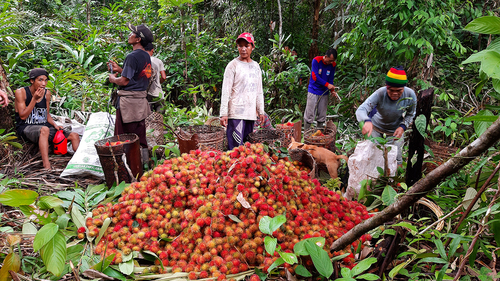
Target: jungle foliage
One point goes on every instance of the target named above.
(452, 46)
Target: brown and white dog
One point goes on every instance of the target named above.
(321, 155)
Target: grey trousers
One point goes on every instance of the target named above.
(397, 142)
(312, 100)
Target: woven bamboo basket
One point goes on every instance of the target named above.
(286, 134)
(305, 158)
(265, 136)
(154, 131)
(326, 141)
(201, 137)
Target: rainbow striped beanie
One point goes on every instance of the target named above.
(396, 77)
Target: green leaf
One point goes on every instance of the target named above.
(104, 227)
(398, 268)
(340, 257)
(54, 254)
(289, 258)
(29, 211)
(104, 264)
(481, 126)
(49, 202)
(442, 272)
(485, 25)
(270, 244)
(77, 217)
(18, 197)
(275, 264)
(29, 228)
(433, 260)
(368, 276)
(320, 259)
(302, 271)
(114, 273)
(62, 221)
(496, 84)
(234, 218)
(264, 225)
(276, 222)
(389, 195)
(300, 248)
(421, 125)
(11, 262)
(362, 266)
(346, 273)
(127, 267)
(407, 225)
(455, 243)
(44, 235)
(440, 248)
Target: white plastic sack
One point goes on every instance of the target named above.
(72, 123)
(85, 160)
(363, 165)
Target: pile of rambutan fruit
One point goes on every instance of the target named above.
(200, 213)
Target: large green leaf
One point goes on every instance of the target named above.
(363, 266)
(127, 267)
(44, 235)
(289, 258)
(18, 197)
(421, 124)
(389, 195)
(49, 202)
(485, 25)
(302, 271)
(320, 259)
(275, 264)
(54, 254)
(276, 222)
(270, 244)
(481, 126)
(264, 225)
(300, 248)
(11, 262)
(491, 64)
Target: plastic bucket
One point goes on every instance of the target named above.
(116, 167)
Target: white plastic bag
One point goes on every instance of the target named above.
(363, 165)
(85, 160)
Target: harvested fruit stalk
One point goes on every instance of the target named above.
(210, 205)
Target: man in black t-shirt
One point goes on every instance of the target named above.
(132, 106)
(33, 120)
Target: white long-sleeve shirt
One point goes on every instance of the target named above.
(242, 94)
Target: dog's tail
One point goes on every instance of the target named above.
(343, 157)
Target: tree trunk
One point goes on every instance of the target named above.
(424, 106)
(281, 24)
(88, 12)
(6, 113)
(313, 50)
(423, 186)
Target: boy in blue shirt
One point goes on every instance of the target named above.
(320, 82)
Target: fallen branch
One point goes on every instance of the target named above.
(423, 186)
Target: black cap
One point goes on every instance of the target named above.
(35, 72)
(143, 32)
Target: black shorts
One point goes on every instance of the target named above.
(32, 133)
